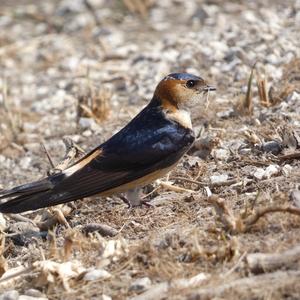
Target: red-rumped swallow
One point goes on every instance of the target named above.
(147, 148)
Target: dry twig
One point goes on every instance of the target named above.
(246, 107)
(262, 91)
(266, 262)
(51, 219)
(171, 187)
(138, 6)
(48, 156)
(59, 213)
(240, 224)
(244, 286)
(294, 155)
(103, 229)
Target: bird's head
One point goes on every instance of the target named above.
(181, 89)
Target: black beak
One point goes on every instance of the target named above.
(209, 88)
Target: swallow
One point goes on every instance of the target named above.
(147, 148)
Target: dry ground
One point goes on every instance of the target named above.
(82, 69)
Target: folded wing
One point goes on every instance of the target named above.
(136, 151)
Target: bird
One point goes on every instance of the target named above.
(146, 149)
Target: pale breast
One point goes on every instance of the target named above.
(181, 116)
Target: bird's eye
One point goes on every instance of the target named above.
(190, 83)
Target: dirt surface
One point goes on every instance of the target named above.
(82, 70)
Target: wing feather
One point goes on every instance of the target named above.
(149, 143)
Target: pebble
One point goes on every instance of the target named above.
(96, 274)
(34, 293)
(22, 233)
(103, 229)
(218, 178)
(273, 147)
(21, 227)
(105, 297)
(221, 154)
(85, 123)
(287, 169)
(226, 114)
(25, 162)
(10, 295)
(26, 297)
(295, 197)
(267, 173)
(140, 284)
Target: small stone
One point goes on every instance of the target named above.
(205, 145)
(245, 151)
(85, 123)
(32, 147)
(95, 274)
(287, 169)
(103, 229)
(270, 171)
(34, 293)
(295, 197)
(25, 163)
(10, 295)
(295, 96)
(25, 297)
(87, 133)
(272, 147)
(259, 173)
(24, 239)
(22, 227)
(140, 284)
(22, 233)
(218, 178)
(105, 297)
(192, 161)
(226, 114)
(221, 154)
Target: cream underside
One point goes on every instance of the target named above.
(125, 187)
(181, 116)
(138, 182)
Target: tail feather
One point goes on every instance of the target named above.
(38, 200)
(46, 192)
(22, 203)
(27, 189)
(29, 196)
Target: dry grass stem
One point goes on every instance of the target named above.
(169, 186)
(262, 91)
(243, 223)
(138, 6)
(246, 106)
(48, 156)
(244, 286)
(266, 262)
(94, 103)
